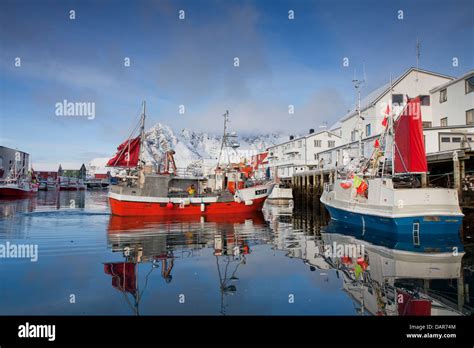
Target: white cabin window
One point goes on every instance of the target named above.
(300, 143)
(331, 143)
(368, 130)
(443, 122)
(317, 143)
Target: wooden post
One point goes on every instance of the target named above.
(424, 180)
(461, 295)
(457, 176)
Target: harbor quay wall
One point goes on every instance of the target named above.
(453, 169)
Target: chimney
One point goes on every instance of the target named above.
(311, 130)
(291, 137)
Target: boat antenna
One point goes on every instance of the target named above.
(224, 136)
(357, 85)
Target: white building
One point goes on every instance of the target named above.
(447, 109)
(452, 109)
(299, 154)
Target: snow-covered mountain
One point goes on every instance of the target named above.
(199, 149)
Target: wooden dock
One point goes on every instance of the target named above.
(451, 169)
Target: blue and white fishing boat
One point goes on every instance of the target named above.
(383, 196)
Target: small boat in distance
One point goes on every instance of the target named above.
(281, 195)
(162, 190)
(17, 185)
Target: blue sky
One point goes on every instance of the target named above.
(190, 62)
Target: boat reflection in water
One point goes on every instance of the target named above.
(377, 281)
(43, 200)
(163, 241)
(381, 280)
(387, 281)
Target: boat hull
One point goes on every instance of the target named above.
(439, 234)
(11, 192)
(133, 208)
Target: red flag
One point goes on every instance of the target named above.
(385, 121)
(377, 144)
(387, 110)
(127, 154)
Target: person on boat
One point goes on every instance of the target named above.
(191, 190)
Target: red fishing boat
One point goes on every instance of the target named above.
(18, 185)
(163, 191)
(17, 189)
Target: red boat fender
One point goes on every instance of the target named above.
(345, 185)
(169, 205)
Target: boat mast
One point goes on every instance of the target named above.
(224, 136)
(142, 133)
(357, 85)
(391, 128)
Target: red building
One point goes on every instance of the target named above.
(45, 173)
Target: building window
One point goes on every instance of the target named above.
(470, 84)
(456, 139)
(443, 95)
(470, 116)
(331, 143)
(427, 124)
(367, 130)
(425, 100)
(354, 135)
(300, 144)
(443, 122)
(315, 156)
(397, 99)
(317, 143)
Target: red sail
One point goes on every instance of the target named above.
(127, 154)
(410, 155)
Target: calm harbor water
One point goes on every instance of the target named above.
(271, 263)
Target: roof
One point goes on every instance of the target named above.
(305, 137)
(71, 166)
(377, 94)
(45, 167)
(449, 83)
